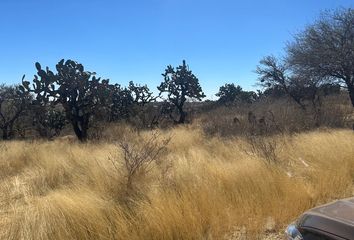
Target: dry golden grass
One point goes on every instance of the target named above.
(204, 188)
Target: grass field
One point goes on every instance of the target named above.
(201, 188)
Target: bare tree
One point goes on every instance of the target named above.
(326, 48)
(299, 87)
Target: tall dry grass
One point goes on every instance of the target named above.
(203, 187)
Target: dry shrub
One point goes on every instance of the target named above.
(274, 116)
(114, 132)
(140, 153)
(336, 112)
(224, 121)
(263, 147)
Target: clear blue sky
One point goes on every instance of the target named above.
(123, 40)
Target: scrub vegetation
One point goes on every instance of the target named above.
(83, 158)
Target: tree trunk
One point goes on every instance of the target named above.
(351, 94)
(80, 129)
(5, 133)
(11, 130)
(182, 115)
(316, 105)
(350, 85)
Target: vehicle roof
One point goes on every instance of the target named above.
(336, 218)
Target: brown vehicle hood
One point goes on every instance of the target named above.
(336, 218)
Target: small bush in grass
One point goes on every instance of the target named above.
(140, 153)
(263, 147)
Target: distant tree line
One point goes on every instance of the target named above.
(318, 62)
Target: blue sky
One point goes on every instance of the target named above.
(222, 40)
